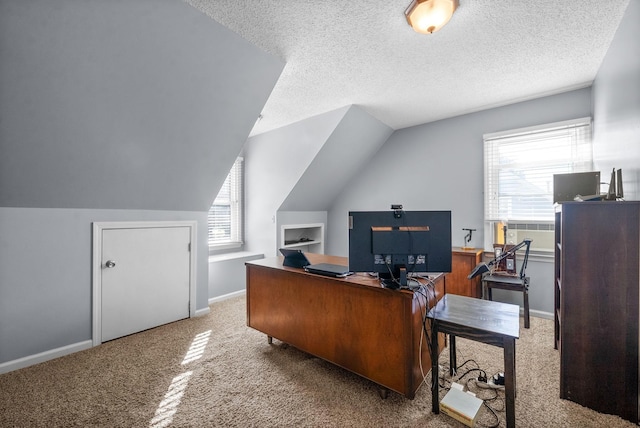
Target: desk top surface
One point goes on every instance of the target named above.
(492, 317)
(467, 250)
(357, 278)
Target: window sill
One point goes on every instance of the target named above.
(239, 255)
(214, 248)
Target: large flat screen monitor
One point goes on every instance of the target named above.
(397, 243)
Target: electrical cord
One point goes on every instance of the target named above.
(427, 291)
(429, 286)
(423, 332)
(423, 290)
(396, 281)
(493, 411)
(482, 372)
(481, 393)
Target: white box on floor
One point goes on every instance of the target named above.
(461, 406)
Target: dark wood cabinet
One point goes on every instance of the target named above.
(462, 263)
(597, 281)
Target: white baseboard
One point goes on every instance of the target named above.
(541, 314)
(30, 360)
(203, 311)
(227, 296)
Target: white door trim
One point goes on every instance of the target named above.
(96, 264)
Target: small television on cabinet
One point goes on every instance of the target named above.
(397, 243)
(586, 185)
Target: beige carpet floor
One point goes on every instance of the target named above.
(214, 371)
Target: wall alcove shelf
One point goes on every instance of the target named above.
(306, 237)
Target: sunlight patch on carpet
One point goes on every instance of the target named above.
(197, 347)
(169, 405)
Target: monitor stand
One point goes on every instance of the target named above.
(388, 280)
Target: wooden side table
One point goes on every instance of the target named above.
(493, 323)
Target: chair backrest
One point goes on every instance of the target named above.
(507, 265)
(504, 268)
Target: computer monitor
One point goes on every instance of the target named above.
(397, 243)
(615, 186)
(619, 190)
(586, 185)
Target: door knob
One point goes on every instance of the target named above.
(110, 264)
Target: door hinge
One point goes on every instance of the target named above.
(189, 247)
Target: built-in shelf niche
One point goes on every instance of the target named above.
(306, 237)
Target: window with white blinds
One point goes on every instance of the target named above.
(519, 166)
(225, 214)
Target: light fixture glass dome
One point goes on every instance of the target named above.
(428, 16)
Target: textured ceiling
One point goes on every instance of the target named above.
(492, 53)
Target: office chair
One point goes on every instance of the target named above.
(504, 279)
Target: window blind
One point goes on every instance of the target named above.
(519, 166)
(225, 214)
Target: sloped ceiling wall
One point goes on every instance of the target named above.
(274, 162)
(121, 104)
(350, 146)
(304, 166)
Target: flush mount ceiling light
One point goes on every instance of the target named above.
(428, 16)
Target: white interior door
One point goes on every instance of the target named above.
(145, 278)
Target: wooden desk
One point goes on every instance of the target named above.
(352, 322)
(485, 321)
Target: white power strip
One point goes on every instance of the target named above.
(489, 384)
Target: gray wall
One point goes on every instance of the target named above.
(303, 166)
(616, 112)
(274, 162)
(45, 274)
(105, 104)
(227, 274)
(446, 157)
(109, 111)
(352, 143)
(439, 166)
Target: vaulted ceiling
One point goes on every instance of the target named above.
(492, 53)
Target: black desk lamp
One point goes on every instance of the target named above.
(485, 267)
